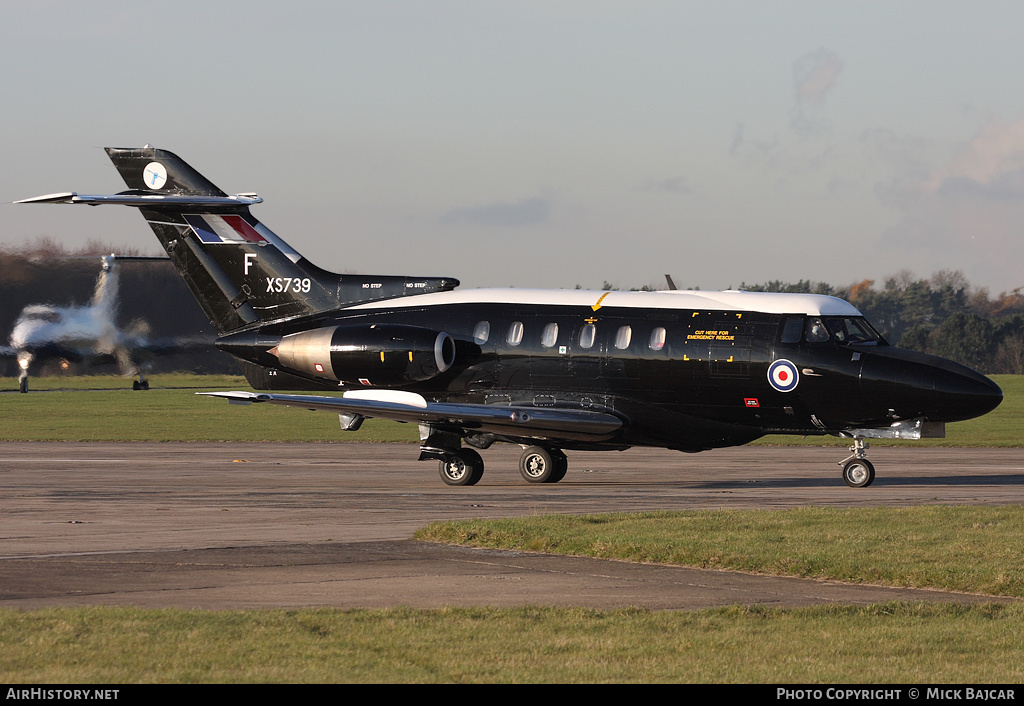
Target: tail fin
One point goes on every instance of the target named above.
(238, 269)
(105, 295)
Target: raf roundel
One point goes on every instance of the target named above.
(154, 175)
(783, 376)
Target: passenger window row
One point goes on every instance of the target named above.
(587, 337)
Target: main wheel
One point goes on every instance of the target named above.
(561, 465)
(540, 465)
(859, 473)
(464, 467)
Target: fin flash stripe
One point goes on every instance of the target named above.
(223, 229)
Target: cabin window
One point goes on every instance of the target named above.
(623, 337)
(793, 329)
(587, 336)
(482, 332)
(515, 333)
(550, 335)
(657, 339)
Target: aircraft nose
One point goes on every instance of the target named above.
(937, 389)
(963, 395)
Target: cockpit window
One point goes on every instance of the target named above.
(853, 331)
(816, 331)
(48, 316)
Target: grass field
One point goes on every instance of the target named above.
(970, 549)
(95, 408)
(88, 408)
(828, 645)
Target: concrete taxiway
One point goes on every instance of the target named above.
(285, 525)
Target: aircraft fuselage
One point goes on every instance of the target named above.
(685, 378)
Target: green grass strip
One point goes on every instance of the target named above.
(890, 643)
(105, 408)
(962, 548)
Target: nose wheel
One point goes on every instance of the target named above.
(857, 469)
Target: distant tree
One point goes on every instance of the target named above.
(916, 338)
(1009, 354)
(860, 290)
(966, 338)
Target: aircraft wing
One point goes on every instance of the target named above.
(526, 422)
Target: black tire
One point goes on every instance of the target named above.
(561, 465)
(859, 473)
(541, 465)
(464, 467)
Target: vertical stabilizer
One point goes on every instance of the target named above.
(240, 271)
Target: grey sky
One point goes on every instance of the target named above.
(544, 144)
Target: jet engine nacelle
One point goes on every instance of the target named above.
(380, 355)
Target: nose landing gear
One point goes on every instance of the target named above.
(857, 469)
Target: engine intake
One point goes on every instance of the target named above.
(380, 355)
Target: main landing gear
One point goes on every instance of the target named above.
(461, 465)
(464, 466)
(857, 469)
(542, 465)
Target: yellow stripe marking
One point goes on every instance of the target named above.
(597, 306)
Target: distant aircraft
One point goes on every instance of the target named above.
(547, 369)
(84, 334)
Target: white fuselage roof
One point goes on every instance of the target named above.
(731, 300)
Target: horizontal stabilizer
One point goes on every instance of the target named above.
(528, 422)
(146, 200)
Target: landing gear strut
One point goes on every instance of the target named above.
(857, 469)
(24, 360)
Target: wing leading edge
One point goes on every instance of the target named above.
(519, 422)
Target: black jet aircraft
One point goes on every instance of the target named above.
(551, 370)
